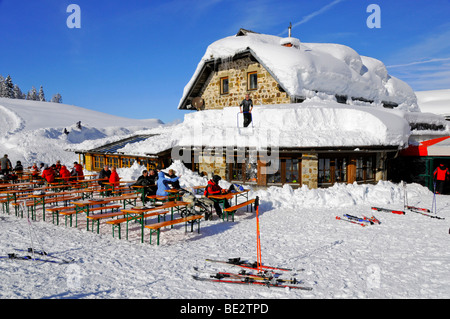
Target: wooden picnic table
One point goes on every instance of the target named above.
(87, 206)
(139, 213)
(222, 198)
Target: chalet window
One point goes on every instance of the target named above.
(340, 170)
(98, 162)
(112, 161)
(332, 170)
(324, 173)
(243, 172)
(365, 169)
(292, 171)
(127, 162)
(224, 89)
(275, 177)
(236, 172)
(252, 81)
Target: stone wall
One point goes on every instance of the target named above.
(267, 92)
(310, 165)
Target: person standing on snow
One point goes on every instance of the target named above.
(246, 107)
(5, 165)
(441, 174)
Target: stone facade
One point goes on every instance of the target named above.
(310, 164)
(267, 92)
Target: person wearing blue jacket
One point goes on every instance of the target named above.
(163, 183)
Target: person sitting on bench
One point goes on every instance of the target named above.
(213, 188)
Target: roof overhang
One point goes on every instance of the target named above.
(435, 147)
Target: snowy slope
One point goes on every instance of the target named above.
(32, 131)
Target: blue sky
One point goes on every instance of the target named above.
(133, 58)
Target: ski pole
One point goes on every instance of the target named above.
(258, 239)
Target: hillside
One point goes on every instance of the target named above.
(32, 131)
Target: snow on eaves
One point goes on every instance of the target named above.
(314, 123)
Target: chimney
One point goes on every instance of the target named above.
(287, 41)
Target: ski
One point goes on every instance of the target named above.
(250, 281)
(387, 210)
(425, 214)
(426, 210)
(350, 221)
(29, 258)
(373, 219)
(358, 219)
(265, 276)
(44, 253)
(244, 264)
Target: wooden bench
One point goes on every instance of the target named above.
(125, 199)
(98, 217)
(157, 227)
(118, 222)
(57, 210)
(29, 204)
(70, 213)
(231, 210)
(154, 198)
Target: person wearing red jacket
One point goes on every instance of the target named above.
(64, 173)
(114, 178)
(77, 171)
(441, 175)
(48, 174)
(213, 188)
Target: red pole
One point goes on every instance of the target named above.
(258, 238)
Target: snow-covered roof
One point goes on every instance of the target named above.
(304, 69)
(435, 101)
(312, 124)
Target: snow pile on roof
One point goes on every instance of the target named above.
(315, 123)
(435, 101)
(328, 68)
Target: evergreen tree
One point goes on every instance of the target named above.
(1, 85)
(8, 88)
(57, 98)
(41, 94)
(18, 93)
(32, 94)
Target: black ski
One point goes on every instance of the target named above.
(387, 210)
(424, 214)
(30, 258)
(44, 253)
(250, 281)
(245, 264)
(264, 276)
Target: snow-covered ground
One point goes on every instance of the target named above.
(406, 256)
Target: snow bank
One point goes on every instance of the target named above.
(328, 68)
